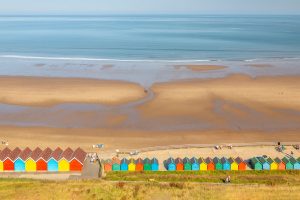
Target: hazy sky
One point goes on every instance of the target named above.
(150, 6)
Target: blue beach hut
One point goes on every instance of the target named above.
(19, 165)
(171, 166)
(154, 164)
(52, 164)
(265, 164)
(295, 163)
(124, 165)
(225, 163)
(195, 164)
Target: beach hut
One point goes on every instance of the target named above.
(256, 165)
(41, 163)
(107, 165)
(52, 164)
(179, 164)
(187, 165)
(218, 164)
(272, 163)
(242, 165)
(147, 164)
(171, 166)
(280, 164)
(288, 164)
(64, 160)
(225, 163)
(154, 164)
(210, 164)
(20, 161)
(139, 165)
(203, 164)
(264, 162)
(124, 165)
(295, 163)
(116, 164)
(3, 155)
(195, 164)
(8, 163)
(234, 166)
(77, 160)
(131, 165)
(30, 164)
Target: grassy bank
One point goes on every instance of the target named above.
(163, 185)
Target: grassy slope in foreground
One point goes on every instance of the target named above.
(258, 185)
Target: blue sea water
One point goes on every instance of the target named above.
(148, 38)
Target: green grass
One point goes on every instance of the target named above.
(166, 185)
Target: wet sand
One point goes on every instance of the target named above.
(200, 68)
(42, 91)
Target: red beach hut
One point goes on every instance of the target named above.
(8, 163)
(242, 164)
(107, 165)
(280, 163)
(77, 160)
(3, 156)
(210, 164)
(41, 164)
(139, 165)
(179, 164)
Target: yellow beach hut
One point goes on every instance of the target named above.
(131, 165)
(64, 161)
(233, 164)
(273, 164)
(202, 164)
(30, 164)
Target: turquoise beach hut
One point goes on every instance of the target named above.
(154, 164)
(218, 164)
(52, 164)
(170, 164)
(256, 165)
(288, 163)
(225, 163)
(295, 163)
(20, 162)
(265, 163)
(187, 165)
(195, 164)
(124, 165)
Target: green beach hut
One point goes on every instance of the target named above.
(147, 164)
(218, 163)
(187, 164)
(116, 164)
(288, 163)
(256, 165)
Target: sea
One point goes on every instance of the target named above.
(76, 46)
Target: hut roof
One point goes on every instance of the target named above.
(79, 155)
(35, 155)
(270, 160)
(231, 160)
(154, 161)
(14, 154)
(116, 160)
(293, 160)
(224, 160)
(285, 160)
(194, 160)
(171, 160)
(147, 161)
(139, 160)
(4, 153)
(278, 160)
(57, 153)
(208, 160)
(25, 154)
(131, 160)
(124, 160)
(67, 154)
(186, 160)
(216, 160)
(239, 160)
(107, 161)
(46, 154)
(178, 160)
(201, 160)
(261, 160)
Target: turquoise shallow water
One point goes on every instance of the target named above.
(151, 38)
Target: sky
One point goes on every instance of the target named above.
(149, 7)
